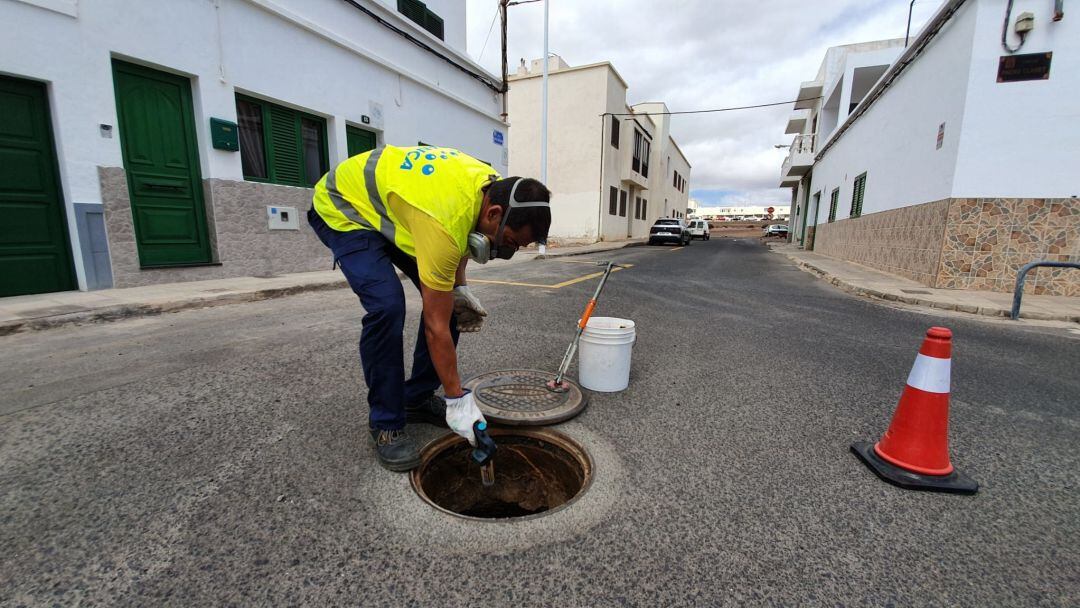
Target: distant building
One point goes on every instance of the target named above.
(161, 141)
(779, 212)
(612, 168)
(952, 161)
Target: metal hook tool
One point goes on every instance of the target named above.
(558, 385)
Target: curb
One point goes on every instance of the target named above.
(127, 311)
(892, 297)
(548, 256)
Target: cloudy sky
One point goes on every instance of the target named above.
(699, 54)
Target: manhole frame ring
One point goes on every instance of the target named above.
(563, 441)
(535, 422)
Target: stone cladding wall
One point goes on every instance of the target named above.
(966, 243)
(905, 241)
(241, 242)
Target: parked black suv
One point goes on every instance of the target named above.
(669, 230)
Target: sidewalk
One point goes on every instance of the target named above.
(562, 252)
(864, 281)
(42, 311)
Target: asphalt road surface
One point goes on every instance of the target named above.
(219, 456)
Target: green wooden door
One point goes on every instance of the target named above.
(35, 256)
(359, 140)
(157, 135)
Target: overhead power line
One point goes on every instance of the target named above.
(491, 28)
(420, 43)
(760, 105)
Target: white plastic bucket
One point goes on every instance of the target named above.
(604, 354)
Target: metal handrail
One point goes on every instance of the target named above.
(803, 143)
(1021, 276)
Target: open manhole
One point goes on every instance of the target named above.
(519, 397)
(537, 471)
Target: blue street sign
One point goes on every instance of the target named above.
(497, 137)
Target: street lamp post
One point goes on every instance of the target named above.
(544, 116)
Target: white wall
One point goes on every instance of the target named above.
(582, 164)
(1022, 139)
(323, 56)
(576, 100)
(1008, 140)
(894, 141)
(613, 227)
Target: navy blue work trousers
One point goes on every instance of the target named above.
(367, 259)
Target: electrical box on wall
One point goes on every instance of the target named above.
(283, 218)
(224, 135)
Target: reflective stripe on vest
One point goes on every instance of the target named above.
(443, 183)
(341, 204)
(386, 227)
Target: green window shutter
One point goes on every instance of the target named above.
(857, 196)
(835, 200)
(284, 137)
(359, 140)
(413, 9)
(433, 23)
(862, 192)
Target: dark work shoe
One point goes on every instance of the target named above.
(395, 450)
(431, 410)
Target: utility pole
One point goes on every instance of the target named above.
(503, 5)
(505, 86)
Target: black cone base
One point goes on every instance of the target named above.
(955, 482)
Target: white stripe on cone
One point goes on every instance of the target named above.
(930, 374)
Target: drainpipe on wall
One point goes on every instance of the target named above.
(600, 213)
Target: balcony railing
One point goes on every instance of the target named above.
(803, 144)
(799, 160)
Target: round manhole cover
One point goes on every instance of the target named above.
(520, 397)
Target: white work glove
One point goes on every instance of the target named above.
(470, 314)
(461, 413)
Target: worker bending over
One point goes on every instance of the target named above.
(425, 210)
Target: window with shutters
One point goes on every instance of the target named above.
(613, 201)
(420, 14)
(857, 195)
(615, 127)
(644, 208)
(637, 207)
(280, 145)
(834, 199)
(622, 203)
(642, 147)
(636, 162)
(646, 151)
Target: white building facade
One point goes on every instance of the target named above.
(612, 168)
(179, 140)
(958, 165)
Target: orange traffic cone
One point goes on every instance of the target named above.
(914, 452)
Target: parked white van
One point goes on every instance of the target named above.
(699, 229)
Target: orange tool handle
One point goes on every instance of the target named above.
(588, 313)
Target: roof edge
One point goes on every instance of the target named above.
(575, 68)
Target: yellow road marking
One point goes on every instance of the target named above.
(555, 286)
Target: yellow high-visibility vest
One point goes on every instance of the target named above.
(442, 182)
